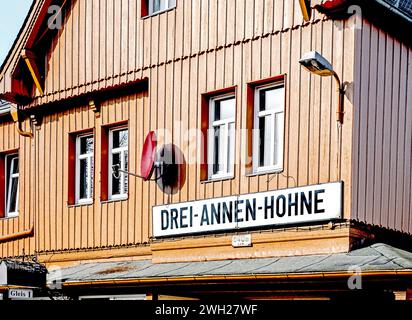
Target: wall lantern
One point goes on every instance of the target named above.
(315, 63)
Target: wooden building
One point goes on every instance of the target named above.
(88, 80)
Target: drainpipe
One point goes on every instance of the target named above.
(14, 111)
(18, 236)
(340, 90)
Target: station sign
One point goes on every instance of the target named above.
(20, 294)
(315, 203)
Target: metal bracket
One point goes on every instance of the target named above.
(116, 170)
(95, 107)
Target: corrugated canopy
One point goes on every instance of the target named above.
(378, 257)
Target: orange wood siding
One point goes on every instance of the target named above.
(10, 140)
(106, 43)
(310, 132)
(183, 59)
(382, 139)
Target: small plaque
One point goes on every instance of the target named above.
(240, 241)
(20, 294)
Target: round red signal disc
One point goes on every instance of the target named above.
(148, 155)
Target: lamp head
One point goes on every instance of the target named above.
(315, 63)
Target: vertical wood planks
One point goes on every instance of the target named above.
(381, 172)
(201, 47)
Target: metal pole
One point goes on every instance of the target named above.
(341, 94)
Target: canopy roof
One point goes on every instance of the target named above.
(377, 258)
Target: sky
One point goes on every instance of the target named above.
(12, 15)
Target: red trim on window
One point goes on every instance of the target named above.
(115, 124)
(144, 8)
(205, 127)
(3, 180)
(277, 78)
(2, 186)
(250, 103)
(104, 158)
(250, 114)
(214, 93)
(104, 164)
(71, 197)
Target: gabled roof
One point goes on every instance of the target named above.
(10, 89)
(19, 35)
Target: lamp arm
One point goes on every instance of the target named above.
(340, 90)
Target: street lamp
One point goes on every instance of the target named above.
(315, 63)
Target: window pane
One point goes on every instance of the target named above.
(221, 151)
(120, 138)
(159, 5)
(262, 100)
(278, 98)
(91, 181)
(265, 128)
(271, 99)
(224, 109)
(216, 151)
(12, 183)
(116, 180)
(156, 5)
(116, 139)
(116, 159)
(84, 179)
(172, 3)
(13, 195)
(231, 148)
(278, 148)
(119, 157)
(124, 138)
(126, 168)
(15, 165)
(217, 111)
(86, 145)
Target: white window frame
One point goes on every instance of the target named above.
(9, 177)
(120, 150)
(169, 4)
(227, 172)
(274, 167)
(90, 159)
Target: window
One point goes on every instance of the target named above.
(151, 7)
(12, 185)
(118, 156)
(221, 136)
(268, 126)
(84, 168)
